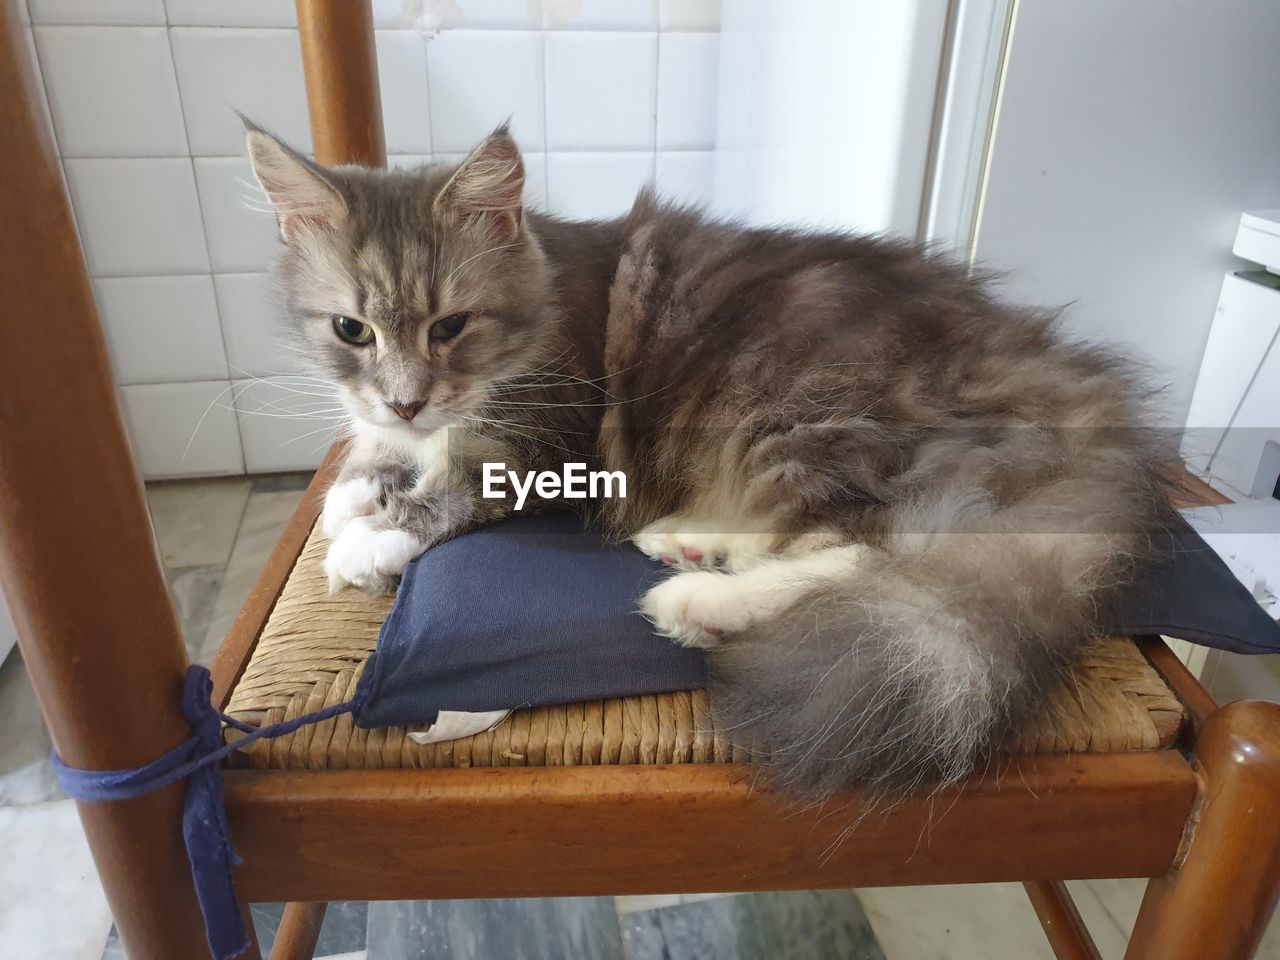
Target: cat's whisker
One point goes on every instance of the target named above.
(517, 384)
(525, 426)
(306, 415)
(285, 374)
(239, 392)
(281, 414)
(576, 379)
(326, 442)
(558, 357)
(519, 430)
(281, 382)
(301, 410)
(293, 391)
(529, 404)
(328, 429)
(200, 423)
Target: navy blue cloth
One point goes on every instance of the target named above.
(532, 611)
(537, 610)
(1189, 593)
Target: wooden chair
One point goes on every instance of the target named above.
(1180, 791)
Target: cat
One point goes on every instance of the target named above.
(893, 504)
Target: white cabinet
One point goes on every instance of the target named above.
(1232, 436)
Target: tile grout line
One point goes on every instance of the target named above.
(546, 129)
(53, 133)
(431, 113)
(208, 253)
(657, 87)
(226, 566)
(1105, 905)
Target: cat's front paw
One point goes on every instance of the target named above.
(346, 500)
(702, 545)
(369, 557)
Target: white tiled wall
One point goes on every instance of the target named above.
(604, 96)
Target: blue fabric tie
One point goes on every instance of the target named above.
(204, 817)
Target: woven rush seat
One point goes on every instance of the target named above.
(312, 651)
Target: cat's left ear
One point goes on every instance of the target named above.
(303, 198)
(488, 187)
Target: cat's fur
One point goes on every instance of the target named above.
(895, 504)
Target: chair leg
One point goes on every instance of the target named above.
(78, 560)
(1216, 903)
(1068, 936)
(340, 63)
(299, 931)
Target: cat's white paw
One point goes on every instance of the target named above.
(696, 608)
(369, 557)
(357, 497)
(701, 545)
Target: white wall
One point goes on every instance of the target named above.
(604, 95)
(825, 111)
(1130, 137)
(1238, 677)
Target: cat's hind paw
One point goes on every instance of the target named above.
(701, 545)
(695, 608)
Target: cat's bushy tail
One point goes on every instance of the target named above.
(915, 667)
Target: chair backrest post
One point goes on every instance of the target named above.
(341, 65)
(78, 560)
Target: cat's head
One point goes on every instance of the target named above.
(414, 291)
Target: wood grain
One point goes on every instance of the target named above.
(299, 931)
(577, 831)
(340, 61)
(78, 560)
(1194, 697)
(1188, 490)
(1215, 904)
(1068, 936)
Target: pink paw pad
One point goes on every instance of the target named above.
(714, 631)
(692, 554)
(667, 558)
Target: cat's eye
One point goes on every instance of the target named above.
(449, 327)
(352, 331)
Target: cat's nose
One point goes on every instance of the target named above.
(407, 411)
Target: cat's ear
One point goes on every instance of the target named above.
(303, 198)
(488, 187)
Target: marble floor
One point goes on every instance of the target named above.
(214, 536)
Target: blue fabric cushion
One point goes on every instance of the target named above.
(536, 610)
(531, 611)
(1191, 594)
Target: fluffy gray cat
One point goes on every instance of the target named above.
(894, 505)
